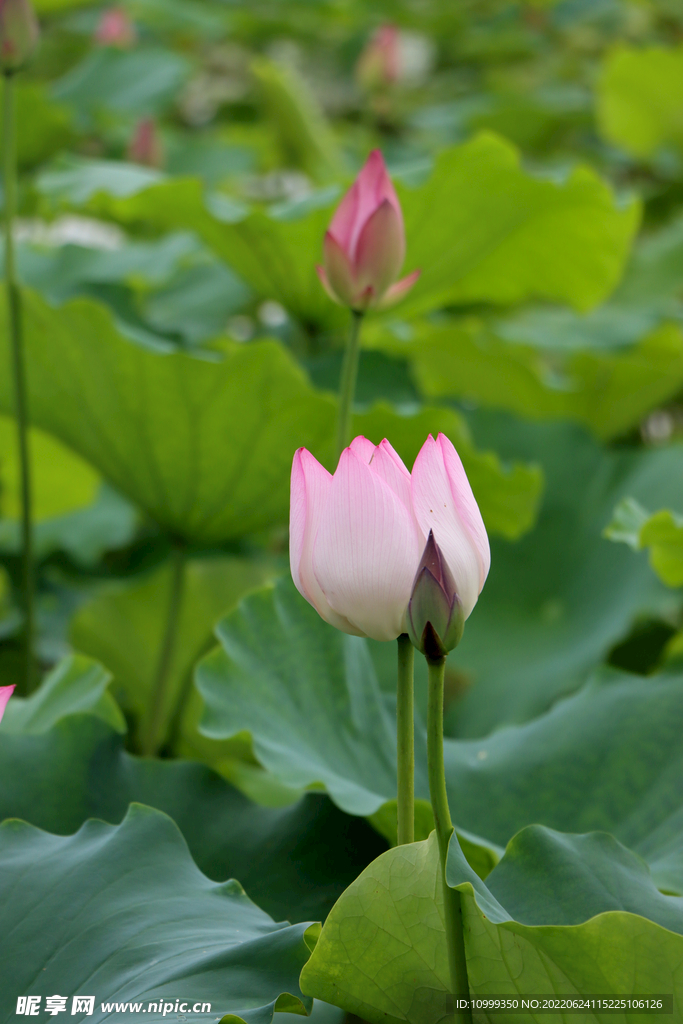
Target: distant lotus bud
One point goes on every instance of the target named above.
(379, 65)
(435, 613)
(5, 694)
(145, 146)
(19, 34)
(365, 245)
(357, 542)
(115, 29)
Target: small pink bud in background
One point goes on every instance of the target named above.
(365, 246)
(358, 538)
(19, 34)
(5, 694)
(115, 28)
(379, 65)
(145, 146)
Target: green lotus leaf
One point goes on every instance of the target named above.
(123, 914)
(293, 861)
(559, 916)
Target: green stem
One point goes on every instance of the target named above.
(455, 941)
(347, 383)
(405, 734)
(19, 374)
(153, 723)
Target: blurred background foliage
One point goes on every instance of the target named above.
(180, 162)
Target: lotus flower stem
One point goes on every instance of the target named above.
(455, 941)
(157, 709)
(406, 742)
(19, 374)
(347, 384)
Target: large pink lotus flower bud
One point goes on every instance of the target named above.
(115, 29)
(379, 65)
(19, 34)
(146, 147)
(357, 538)
(5, 694)
(365, 245)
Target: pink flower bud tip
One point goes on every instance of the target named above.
(357, 538)
(19, 34)
(145, 146)
(365, 245)
(115, 29)
(5, 694)
(379, 65)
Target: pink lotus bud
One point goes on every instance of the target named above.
(365, 245)
(379, 65)
(5, 694)
(357, 538)
(145, 146)
(19, 34)
(116, 29)
(435, 614)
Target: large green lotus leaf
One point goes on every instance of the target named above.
(61, 481)
(203, 447)
(274, 253)
(123, 913)
(480, 228)
(309, 697)
(382, 951)
(483, 229)
(293, 861)
(73, 181)
(560, 915)
(661, 532)
(557, 601)
(124, 626)
(637, 99)
(140, 81)
(608, 757)
(607, 391)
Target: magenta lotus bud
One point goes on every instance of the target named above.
(5, 694)
(357, 539)
(145, 146)
(365, 245)
(379, 65)
(115, 29)
(19, 34)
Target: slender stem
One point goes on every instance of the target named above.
(455, 941)
(347, 383)
(19, 374)
(153, 723)
(405, 734)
